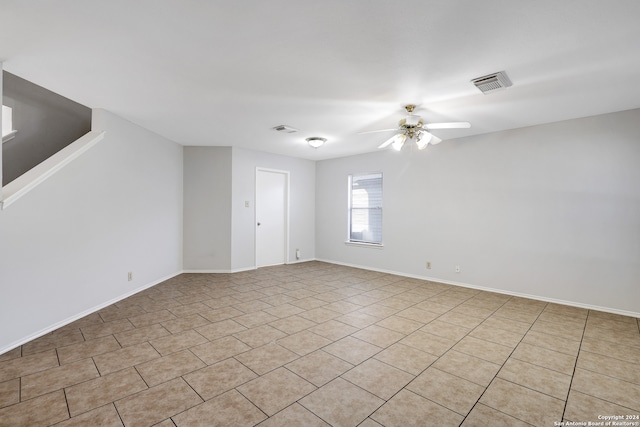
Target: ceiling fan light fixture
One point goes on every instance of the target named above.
(423, 140)
(316, 141)
(398, 141)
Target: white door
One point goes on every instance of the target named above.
(271, 217)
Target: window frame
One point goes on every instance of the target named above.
(371, 242)
(7, 116)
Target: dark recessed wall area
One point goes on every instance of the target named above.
(46, 123)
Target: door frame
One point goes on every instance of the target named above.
(286, 213)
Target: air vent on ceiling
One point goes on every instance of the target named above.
(285, 129)
(492, 82)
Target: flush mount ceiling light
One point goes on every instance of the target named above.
(413, 127)
(316, 141)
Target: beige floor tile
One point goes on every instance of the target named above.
(468, 367)
(473, 310)
(105, 416)
(457, 318)
(259, 335)
(429, 343)
(552, 342)
(229, 409)
(114, 312)
(157, 404)
(406, 358)
(506, 324)
(618, 351)
(536, 378)
(9, 392)
(266, 358)
(614, 336)
(483, 416)
(100, 391)
(584, 407)
(341, 403)
(124, 358)
(87, 349)
(279, 299)
(561, 319)
(342, 307)
(379, 311)
(220, 349)
(184, 323)
(418, 315)
(445, 330)
(276, 390)
(186, 310)
(286, 310)
(220, 329)
(522, 403)
(610, 389)
(303, 342)
(319, 367)
(56, 378)
(151, 318)
(609, 366)
(103, 329)
(514, 314)
(252, 306)
(358, 319)
(333, 330)
(140, 335)
(489, 351)
(169, 367)
(292, 324)
(11, 354)
(400, 324)
(433, 306)
(370, 423)
(220, 314)
(294, 415)
(378, 378)
(219, 378)
(176, 342)
(407, 409)
(41, 411)
(397, 303)
(17, 367)
(251, 320)
(454, 393)
(352, 350)
(546, 358)
(379, 336)
(568, 330)
(618, 324)
(498, 336)
(319, 315)
(58, 338)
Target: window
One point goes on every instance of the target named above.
(365, 208)
(7, 124)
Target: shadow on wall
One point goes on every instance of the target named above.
(45, 123)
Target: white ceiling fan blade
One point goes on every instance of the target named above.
(376, 131)
(388, 141)
(434, 140)
(451, 125)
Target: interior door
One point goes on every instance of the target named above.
(271, 217)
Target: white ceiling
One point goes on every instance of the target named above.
(224, 72)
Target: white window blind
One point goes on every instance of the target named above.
(365, 208)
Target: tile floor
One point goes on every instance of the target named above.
(316, 344)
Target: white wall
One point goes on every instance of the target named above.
(207, 209)
(66, 247)
(551, 211)
(301, 212)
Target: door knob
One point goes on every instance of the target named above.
(258, 224)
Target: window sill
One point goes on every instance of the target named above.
(365, 245)
(9, 136)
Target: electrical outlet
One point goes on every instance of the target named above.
(130, 276)
(428, 265)
(457, 269)
(297, 253)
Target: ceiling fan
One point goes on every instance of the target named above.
(413, 127)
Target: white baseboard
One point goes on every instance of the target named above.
(82, 314)
(498, 291)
